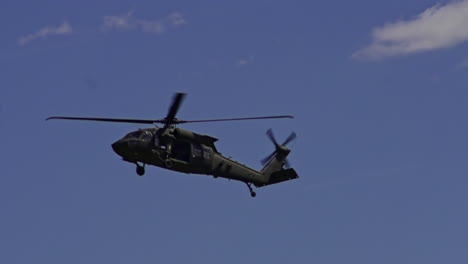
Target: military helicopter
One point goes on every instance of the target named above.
(181, 150)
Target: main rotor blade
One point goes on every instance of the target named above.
(272, 137)
(153, 121)
(115, 120)
(232, 119)
(290, 138)
(177, 101)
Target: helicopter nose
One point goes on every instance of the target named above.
(119, 147)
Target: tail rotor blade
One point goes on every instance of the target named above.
(272, 137)
(267, 158)
(290, 138)
(279, 148)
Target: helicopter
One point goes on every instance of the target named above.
(173, 148)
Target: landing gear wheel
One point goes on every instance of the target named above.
(140, 170)
(252, 192)
(168, 163)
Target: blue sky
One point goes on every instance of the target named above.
(378, 89)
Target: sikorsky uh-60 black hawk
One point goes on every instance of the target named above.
(182, 150)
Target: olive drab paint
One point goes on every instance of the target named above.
(185, 151)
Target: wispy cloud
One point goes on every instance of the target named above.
(148, 26)
(122, 22)
(440, 26)
(64, 29)
(464, 63)
(244, 61)
(176, 19)
(129, 22)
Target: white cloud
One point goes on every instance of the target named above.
(128, 22)
(64, 29)
(440, 26)
(123, 22)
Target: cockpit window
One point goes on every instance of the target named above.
(146, 136)
(135, 134)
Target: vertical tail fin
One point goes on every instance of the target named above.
(274, 163)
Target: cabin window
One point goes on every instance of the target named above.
(197, 152)
(181, 150)
(207, 153)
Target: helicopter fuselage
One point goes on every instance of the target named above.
(183, 151)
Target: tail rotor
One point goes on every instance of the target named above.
(279, 149)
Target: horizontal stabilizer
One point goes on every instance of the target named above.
(281, 176)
